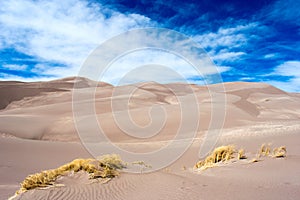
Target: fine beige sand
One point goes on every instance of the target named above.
(37, 132)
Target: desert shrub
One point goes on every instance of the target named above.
(141, 163)
(241, 154)
(226, 153)
(113, 161)
(220, 154)
(264, 150)
(279, 152)
(105, 167)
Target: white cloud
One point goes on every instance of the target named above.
(5, 77)
(159, 47)
(15, 67)
(226, 37)
(290, 69)
(163, 67)
(55, 71)
(271, 55)
(222, 69)
(228, 56)
(290, 86)
(62, 32)
(247, 79)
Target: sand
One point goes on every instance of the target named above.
(37, 132)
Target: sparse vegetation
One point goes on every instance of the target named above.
(264, 150)
(141, 163)
(104, 167)
(113, 161)
(220, 154)
(279, 152)
(226, 153)
(241, 154)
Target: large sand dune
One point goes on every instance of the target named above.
(37, 132)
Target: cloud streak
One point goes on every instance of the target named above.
(289, 70)
(62, 32)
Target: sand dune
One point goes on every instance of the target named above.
(51, 111)
(37, 132)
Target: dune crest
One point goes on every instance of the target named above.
(49, 106)
(38, 132)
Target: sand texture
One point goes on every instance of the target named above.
(38, 132)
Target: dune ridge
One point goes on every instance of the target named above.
(37, 132)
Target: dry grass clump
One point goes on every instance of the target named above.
(220, 154)
(241, 154)
(264, 150)
(113, 161)
(141, 163)
(225, 153)
(106, 167)
(279, 152)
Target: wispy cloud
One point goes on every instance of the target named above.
(229, 37)
(269, 56)
(5, 77)
(289, 69)
(15, 67)
(282, 11)
(225, 45)
(224, 55)
(62, 32)
(61, 35)
(160, 66)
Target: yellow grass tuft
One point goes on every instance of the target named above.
(106, 167)
(254, 160)
(113, 161)
(141, 163)
(241, 154)
(279, 152)
(264, 150)
(225, 153)
(220, 154)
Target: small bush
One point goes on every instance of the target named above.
(113, 161)
(225, 153)
(264, 150)
(241, 154)
(279, 152)
(106, 167)
(220, 154)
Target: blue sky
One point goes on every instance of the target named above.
(257, 41)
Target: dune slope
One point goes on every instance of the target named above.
(38, 132)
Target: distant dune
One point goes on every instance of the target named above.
(37, 132)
